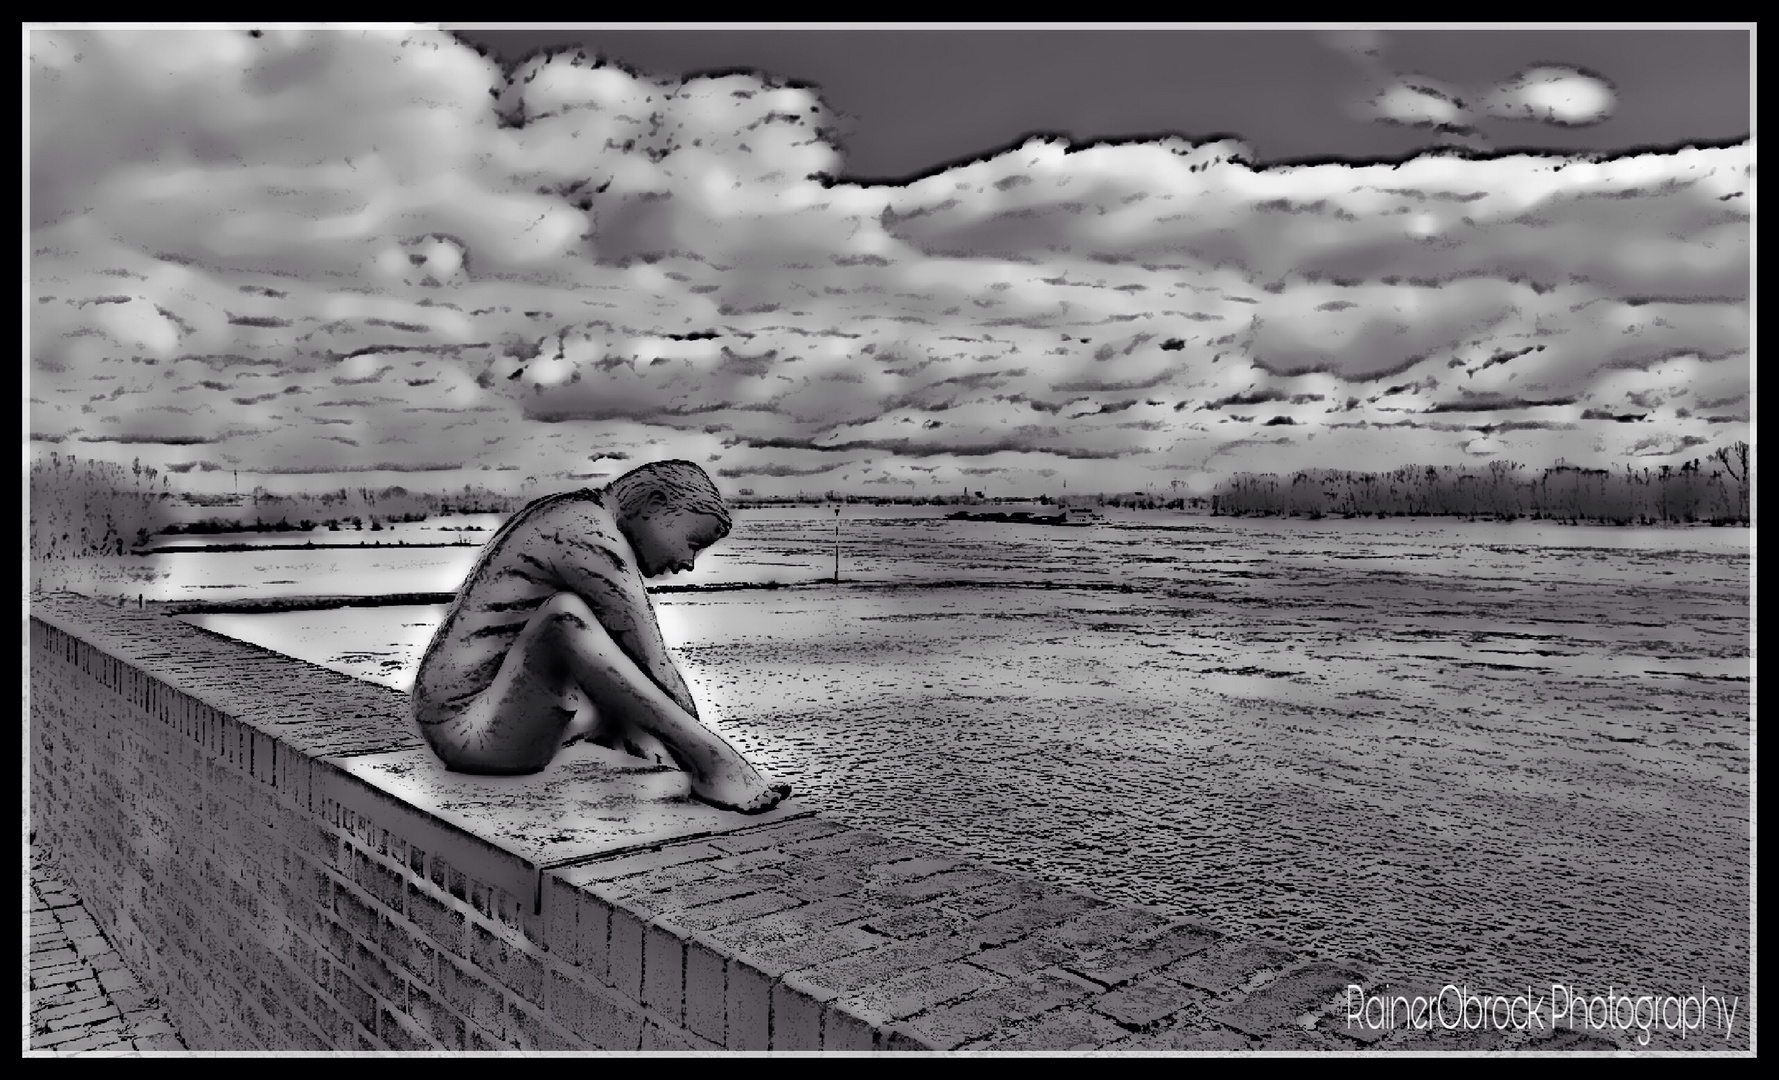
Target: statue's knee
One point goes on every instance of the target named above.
(565, 607)
(566, 612)
(563, 603)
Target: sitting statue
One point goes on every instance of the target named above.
(554, 620)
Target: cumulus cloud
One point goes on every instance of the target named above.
(1415, 101)
(1559, 94)
(325, 249)
(712, 164)
(1553, 94)
(1402, 98)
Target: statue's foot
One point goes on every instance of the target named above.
(738, 787)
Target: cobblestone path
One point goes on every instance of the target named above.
(83, 999)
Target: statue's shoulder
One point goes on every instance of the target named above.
(582, 501)
(582, 510)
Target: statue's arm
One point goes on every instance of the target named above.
(594, 563)
(643, 641)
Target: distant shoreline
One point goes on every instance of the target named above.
(310, 546)
(275, 605)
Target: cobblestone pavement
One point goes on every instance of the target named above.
(83, 999)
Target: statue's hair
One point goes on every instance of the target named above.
(677, 484)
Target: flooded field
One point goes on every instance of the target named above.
(1496, 755)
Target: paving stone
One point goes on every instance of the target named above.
(69, 971)
(1463, 1039)
(787, 832)
(1279, 1003)
(881, 963)
(159, 1042)
(984, 900)
(91, 947)
(1028, 916)
(1564, 1039)
(1357, 1031)
(1336, 1018)
(154, 1025)
(913, 991)
(76, 921)
(1096, 928)
(1146, 1000)
(1070, 1028)
(821, 888)
(911, 869)
(63, 993)
(92, 1041)
(758, 859)
(1127, 960)
(54, 958)
(919, 920)
(1299, 1040)
(1027, 955)
(133, 998)
(1229, 966)
(53, 1040)
(731, 912)
(923, 888)
(1185, 1036)
(76, 1013)
(994, 1008)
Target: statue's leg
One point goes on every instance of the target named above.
(516, 724)
(609, 731)
(564, 642)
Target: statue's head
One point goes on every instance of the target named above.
(669, 511)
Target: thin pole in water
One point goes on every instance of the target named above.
(836, 545)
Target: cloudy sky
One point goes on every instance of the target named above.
(885, 261)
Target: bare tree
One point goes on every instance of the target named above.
(1739, 452)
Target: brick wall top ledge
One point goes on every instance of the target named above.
(596, 904)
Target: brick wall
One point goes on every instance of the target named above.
(200, 794)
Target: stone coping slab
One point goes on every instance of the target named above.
(590, 802)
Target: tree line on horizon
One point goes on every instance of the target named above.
(94, 507)
(81, 508)
(1713, 491)
(354, 508)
